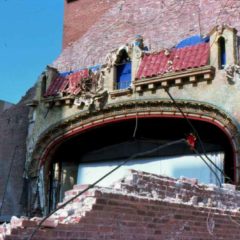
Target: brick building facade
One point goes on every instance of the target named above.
(130, 78)
(162, 24)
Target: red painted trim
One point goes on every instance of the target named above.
(80, 129)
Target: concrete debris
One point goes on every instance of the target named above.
(140, 187)
(192, 181)
(228, 186)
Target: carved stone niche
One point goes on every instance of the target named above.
(131, 53)
(223, 42)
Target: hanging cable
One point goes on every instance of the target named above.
(103, 177)
(191, 139)
(203, 148)
(196, 134)
(209, 166)
(8, 178)
(136, 119)
(136, 127)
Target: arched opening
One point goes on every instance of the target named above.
(86, 156)
(123, 70)
(222, 52)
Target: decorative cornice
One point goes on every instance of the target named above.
(120, 92)
(193, 75)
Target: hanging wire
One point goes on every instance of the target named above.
(199, 17)
(196, 134)
(104, 176)
(136, 119)
(209, 166)
(136, 127)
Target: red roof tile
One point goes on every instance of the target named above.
(70, 84)
(178, 60)
(55, 86)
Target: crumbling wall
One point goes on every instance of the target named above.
(4, 105)
(13, 129)
(162, 23)
(142, 206)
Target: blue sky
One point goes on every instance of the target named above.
(30, 38)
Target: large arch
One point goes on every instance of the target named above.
(79, 123)
(205, 116)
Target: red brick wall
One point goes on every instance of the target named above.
(162, 23)
(143, 206)
(80, 15)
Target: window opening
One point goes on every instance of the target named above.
(62, 178)
(222, 53)
(238, 50)
(54, 186)
(123, 71)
